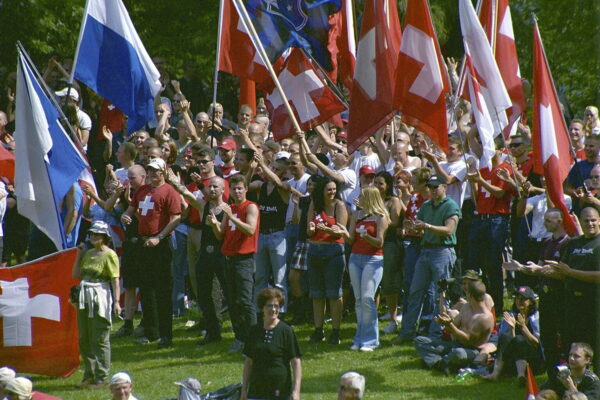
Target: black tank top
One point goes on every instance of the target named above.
(208, 236)
(272, 210)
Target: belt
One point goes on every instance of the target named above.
(267, 231)
(239, 257)
(490, 216)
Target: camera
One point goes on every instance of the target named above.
(444, 283)
(563, 370)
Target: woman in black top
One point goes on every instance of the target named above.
(272, 353)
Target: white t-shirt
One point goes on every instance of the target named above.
(540, 206)
(3, 194)
(349, 183)
(122, 175)
(389, 167)
(371, 160)
(85, 122)
(299, 185)
(458, 169)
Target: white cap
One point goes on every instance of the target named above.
(20, 386)
(120, 378)
(282, 154)
(157, 163)
(72, 93)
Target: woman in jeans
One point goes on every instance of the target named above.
(326, 217)
(366, 233)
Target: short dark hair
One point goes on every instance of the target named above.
(248, 153)
(237, 178)
(476, 289)
(268, 294)
(203, 151)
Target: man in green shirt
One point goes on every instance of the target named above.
(437, 219)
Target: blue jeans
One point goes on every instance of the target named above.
(270, 259)
(433, 264)
(412, 249)
(486, 243)
(326, 263)
(366, 272)
(450, 353)
(179, 269)
(292, 233)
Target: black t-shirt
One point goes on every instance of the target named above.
(304, 204)
(271, 352)
(583, 254)
(589, 385)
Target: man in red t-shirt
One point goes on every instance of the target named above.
(157, 207)
(227, 149)
(239, 231)
(489, 229)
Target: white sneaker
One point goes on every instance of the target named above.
(354, 347)
(390, 328)
(366, 349)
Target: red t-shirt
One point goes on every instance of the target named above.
(360, 245)
(234, 241)
(580, 154)
(412, 208)
(194, 217)
(321, 236)
(527, 167)
(486, 202)
(155, 206)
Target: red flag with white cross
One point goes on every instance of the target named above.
(372, 104)
(312, 101)
(39, 325)
(422, 82)
(550, 139)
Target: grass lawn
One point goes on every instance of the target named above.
(392, 372)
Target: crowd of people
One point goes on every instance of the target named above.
(203, 206)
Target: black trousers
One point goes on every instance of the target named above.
(209, 266)
(239, 274)
(156, 285)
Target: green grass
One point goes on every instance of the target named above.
(392, 372)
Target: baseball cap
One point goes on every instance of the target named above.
(471, 275)
(100, 227)
(366, 170)
(73, 93)
(342, 135)
(120, 378)
(282, 155)
(228, 144)
(526, 292)
(157, 163)
(436, 180)
(191, 384)
(20, 386)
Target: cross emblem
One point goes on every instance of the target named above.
(361, 230)
(486, 194)
(231, 224)
(17, 309)
(296, 88)
(146, 205)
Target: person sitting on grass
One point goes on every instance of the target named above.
(352, 386)
(578, 377)
(519, 337)
(121, 387)
(469, 330)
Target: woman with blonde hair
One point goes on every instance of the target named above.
(366, 233)
(592, 123)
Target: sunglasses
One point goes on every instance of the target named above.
(203, 162)
(515, 144)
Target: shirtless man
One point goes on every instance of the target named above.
(470, 329)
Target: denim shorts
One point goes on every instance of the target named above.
(326, 264)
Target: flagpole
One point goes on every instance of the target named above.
(83, 23)
(216, 75)
(266, 61)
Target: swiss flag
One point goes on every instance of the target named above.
(238, 55)
(483, 120)
(39, 325)
(496, 21)
(342, 44)
(422, 82)
(550, 139)
(309, 96)
(372, 103)
(7, 164)
(111, 117)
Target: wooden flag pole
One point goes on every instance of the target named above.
(263, 54)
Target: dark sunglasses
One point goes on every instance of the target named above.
(203, 161)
